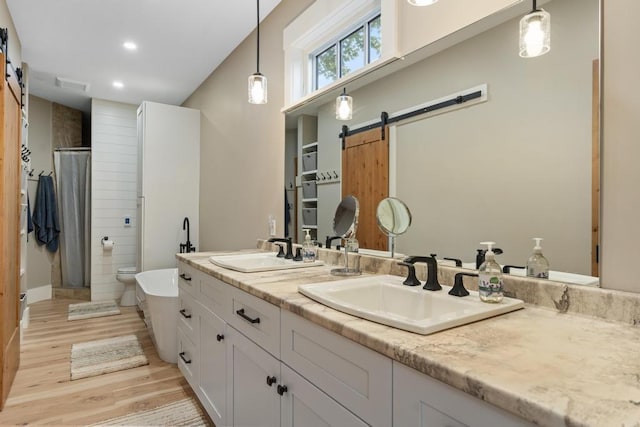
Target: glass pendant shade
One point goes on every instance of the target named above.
(421, 2)
(257, 89)
(535, 34)
(344, 107)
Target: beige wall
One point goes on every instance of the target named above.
(39, 260)
(621, 146)
(242, 145)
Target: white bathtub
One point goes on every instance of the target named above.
(157, 294)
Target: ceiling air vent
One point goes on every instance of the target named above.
(65, 83)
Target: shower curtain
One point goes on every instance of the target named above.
(73, 179)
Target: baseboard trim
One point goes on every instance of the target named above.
(41, 293)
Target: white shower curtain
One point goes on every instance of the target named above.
(73, 180)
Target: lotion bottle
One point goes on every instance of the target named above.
(308, 248)
(538, 265)
(490, 277)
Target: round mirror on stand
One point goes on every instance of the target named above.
(394, 219)
(345, 224)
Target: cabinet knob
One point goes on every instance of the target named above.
(282, 389)
(271, 381)
(219, 337)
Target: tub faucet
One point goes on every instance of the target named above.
(186, 247)
(329, 239)
(289, 243)
(432, 270)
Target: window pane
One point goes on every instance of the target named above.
(375, 39)
(352, 52)
(326, 67)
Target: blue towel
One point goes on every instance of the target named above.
(45, 217)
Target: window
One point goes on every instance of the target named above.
(348, 53)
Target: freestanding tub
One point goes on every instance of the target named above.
(157, 295)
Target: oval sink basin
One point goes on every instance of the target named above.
(260, 261)
(384, 299)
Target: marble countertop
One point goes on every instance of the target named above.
(547, 366)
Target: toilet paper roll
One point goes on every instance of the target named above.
(107, 245)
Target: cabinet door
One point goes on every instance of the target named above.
(212, 387)
(304, 405)
(419, 400)
(253, 401)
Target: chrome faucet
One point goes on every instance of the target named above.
(186, 247)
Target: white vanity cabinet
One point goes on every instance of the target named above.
(419, 400)
(212, 355)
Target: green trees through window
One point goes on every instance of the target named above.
(349, 53)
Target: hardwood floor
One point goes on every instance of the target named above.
(43, 394)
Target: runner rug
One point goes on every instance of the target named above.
(99, 357)
(86, 310)
(184, 412)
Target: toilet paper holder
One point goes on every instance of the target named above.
(106, 243)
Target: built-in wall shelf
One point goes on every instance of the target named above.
(310, 147)
(311, 173)
(315, 200)
(310, 227)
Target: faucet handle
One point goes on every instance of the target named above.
(458, 289)
(298, 256)
(280, 251)
(411, 279)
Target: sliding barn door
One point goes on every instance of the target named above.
(365, 175)
(9, 233)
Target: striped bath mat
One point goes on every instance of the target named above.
(184, 412)
(86, 310)
(99, 357)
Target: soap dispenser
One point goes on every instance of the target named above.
(308, 248)
(537, 265)
(490, 277)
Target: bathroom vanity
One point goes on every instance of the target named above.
(257, 352)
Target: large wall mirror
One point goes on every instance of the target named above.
(509, 169)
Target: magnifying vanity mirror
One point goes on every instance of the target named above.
(345, 224)
(394, 218)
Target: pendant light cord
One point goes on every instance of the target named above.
(258, 36)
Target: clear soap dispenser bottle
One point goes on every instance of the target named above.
(538, 265)
(308, 248)
(490, 277)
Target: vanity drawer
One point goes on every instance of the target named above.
(357, 377)
(188, 279)
(258, 320)
(187, 316)
(214, 295)
(187, 360)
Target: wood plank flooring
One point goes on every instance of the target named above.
(43, 393)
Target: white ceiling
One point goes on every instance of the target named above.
(179, 44)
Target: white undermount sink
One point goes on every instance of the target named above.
(260, 261)
(384, 299)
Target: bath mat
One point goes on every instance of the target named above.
(86, 310)
(99, 357)
(184, 412)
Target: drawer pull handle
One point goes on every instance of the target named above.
(271, 381)
(219, 337)
(184, 313)
(247, 318)
(185, 277)
(184, 359)
(282, 389)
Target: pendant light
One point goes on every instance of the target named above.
(257, 82)
(344, 106)
(535, 33)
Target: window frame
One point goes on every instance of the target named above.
(365, 24)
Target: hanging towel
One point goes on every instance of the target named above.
(29, 219)
(45, 217)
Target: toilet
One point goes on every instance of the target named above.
(127, 275)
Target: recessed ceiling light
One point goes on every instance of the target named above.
(118, 84)
(130, 45)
